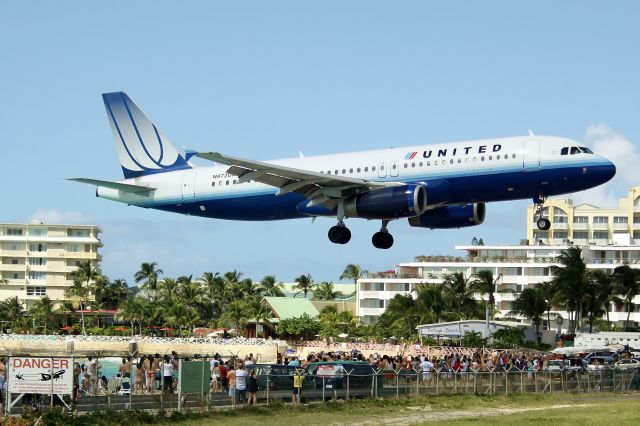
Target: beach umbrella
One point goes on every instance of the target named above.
(66, 328)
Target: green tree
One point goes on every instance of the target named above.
(133, 311)
(12, 310)
(530, 304)
(270, 287)
(570, 279)
(484, 283)
(114, 293)
(459, 294)
(325, 291)
(353, 272)
(300, 327)
(86, 275)
(305, 284)
(628, 285)
(79, 295)
(213, 285)
(148, 275)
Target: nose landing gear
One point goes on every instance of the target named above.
(542, 223)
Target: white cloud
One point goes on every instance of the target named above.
(57, 217)
(626, 157)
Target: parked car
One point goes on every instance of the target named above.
(599, 363)
(557, 365)
(333, 374)
(627, 364)
(275, 376)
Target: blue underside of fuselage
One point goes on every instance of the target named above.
(498, 186)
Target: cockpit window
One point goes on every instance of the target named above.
(575, 150)
(586, 150)
(564, 151)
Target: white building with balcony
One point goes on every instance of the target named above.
(516, 267)
(37, 259)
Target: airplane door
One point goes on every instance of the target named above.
(188, 186)
(382, 170)
(531, 155)
(395, 169)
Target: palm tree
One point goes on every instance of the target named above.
(458, 293)
(168, 288)
(628, 285)
(148, 273)
(353, 272)
(262, 313)
(12, 310)
(79, 295)
(484, 283)
(189, 290)
(270, 287)
(214, 292)
(548, 290)
(132, 310)
(431, 301)
(530, 304)
(325, 291)
(305, 284)
(236, 314)
(606, 292)
(571, 278)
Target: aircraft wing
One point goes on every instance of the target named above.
(319, 188)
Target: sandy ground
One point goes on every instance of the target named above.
(416, 415)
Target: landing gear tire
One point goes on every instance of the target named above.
(543, 224)
(382, 240)
(339, 234)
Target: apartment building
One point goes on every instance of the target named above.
(586, 224)
(37, 259)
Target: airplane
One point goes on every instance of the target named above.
(442, 185)
(43, 377)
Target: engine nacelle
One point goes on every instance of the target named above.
(388, 203)
(451, 217)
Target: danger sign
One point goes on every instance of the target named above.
(41, 375)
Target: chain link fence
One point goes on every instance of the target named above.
(83, 385)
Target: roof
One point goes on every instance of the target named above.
(290, 307)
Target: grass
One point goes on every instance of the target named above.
(526, 409)
(579, 409)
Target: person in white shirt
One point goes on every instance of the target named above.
(426, 367)
(241, 384)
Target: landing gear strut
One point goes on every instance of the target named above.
(382, 239)
(339, 234)
(542, 223)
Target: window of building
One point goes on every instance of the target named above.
(14, 231)
(37, 247)
(372, 286)
(38, 232)
(580, 235)
(37, 261)
(600, 235)
(620, 219)
(36, 291)
(559, 215)
(542, 235)
(37, 275)
(14, 261)
(560, 234)
(580, 219)
(600, 219)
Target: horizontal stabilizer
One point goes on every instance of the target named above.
(125, 187)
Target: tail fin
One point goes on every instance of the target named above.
(142, 149)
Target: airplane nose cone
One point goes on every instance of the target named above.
(607, 171)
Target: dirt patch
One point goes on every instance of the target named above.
(427, 414)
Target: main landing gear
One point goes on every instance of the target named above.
(382, 239)
(340, 234)
(542, 223)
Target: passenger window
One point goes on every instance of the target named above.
(213, 184)
(575, 150)
(421, 164)
(336, 172)
(393, 166)
(435, 163)
(451, 161)
(366, 169)
(344, 171)
(227, 183)
(350, 170)
(413, 164)
(564, 151)
(490, 158)
(406, 165)
(373, 168)
(513, 156)
(459, 160)
(498, 157)
(428, 163)
(482, 158)
(358, 170)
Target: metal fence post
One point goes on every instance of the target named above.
(397, 384)
(267, 390)
(348, 375)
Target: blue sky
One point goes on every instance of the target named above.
(268, 79)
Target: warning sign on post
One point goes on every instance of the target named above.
(41, 375)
